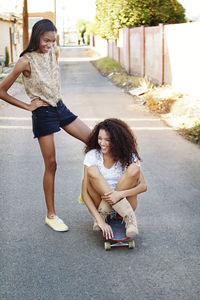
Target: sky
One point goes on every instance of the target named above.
(75, 9)
(80, 9)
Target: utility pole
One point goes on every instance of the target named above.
(25, 24)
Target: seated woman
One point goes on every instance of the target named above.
(112, 175)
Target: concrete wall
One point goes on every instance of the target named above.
(116, 51)
(166, 54)
(100, 45)
(11, 36)
(124, 45)
(137, 51)
(154, 53)
(5, 37)
(182, 56)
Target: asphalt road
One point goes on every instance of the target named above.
(38, 263)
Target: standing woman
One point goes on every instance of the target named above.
(38, 64)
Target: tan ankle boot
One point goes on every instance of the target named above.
(104, 210)
(124, 209)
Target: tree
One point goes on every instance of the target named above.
(25, 24)
(91, 28)
(81, 29)
(111, 15)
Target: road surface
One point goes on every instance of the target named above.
(38, 263)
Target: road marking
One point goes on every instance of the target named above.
(68, 59)
(16, 118)
(124, 119)
(133, 128)
(83, 119)
(87, 120)
(15, 127)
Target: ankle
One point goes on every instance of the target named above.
(51, 215)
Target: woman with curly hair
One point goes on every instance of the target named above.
(112, 175)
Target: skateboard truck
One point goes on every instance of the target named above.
(109, 245)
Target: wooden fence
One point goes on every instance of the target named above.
(166, 54)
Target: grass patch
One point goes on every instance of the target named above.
(160, 99)
(125, 80)
(107, 65)
(114, 71)
(191, 134)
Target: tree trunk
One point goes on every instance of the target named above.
(25, 24)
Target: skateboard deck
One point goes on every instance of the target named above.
(119, 238)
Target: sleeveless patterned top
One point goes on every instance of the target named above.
(44, 81)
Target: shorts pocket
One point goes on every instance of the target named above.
(43, 113)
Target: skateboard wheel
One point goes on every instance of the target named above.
(107, 246)
(131, 244)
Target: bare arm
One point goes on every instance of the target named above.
(141, 187)
(115, 196)
(21, 66)
(57, 53)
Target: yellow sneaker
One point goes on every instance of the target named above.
(56, 224)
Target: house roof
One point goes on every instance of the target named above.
(11, 17)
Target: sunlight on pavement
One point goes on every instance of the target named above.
(67, 59)
(15, 118)
(87, 120)
(125, 119)
(83, 119)
(14, 127)
(133, 128)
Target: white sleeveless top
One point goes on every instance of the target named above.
(113, 174)
(44, 81)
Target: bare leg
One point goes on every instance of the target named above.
(94, 195)
(78, 129)
(128, 180)
(98, 182)
(47, 147)
(103, 208)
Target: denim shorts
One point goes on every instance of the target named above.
(48, 119)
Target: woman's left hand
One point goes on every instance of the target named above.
(36, 103)
(112, 197)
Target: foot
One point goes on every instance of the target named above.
(96, 226)
(131, 225)
(56, 224)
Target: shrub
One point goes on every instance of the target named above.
(7, 57)
(192, 134)
(161, 106)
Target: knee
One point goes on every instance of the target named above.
(51, 166)
(133, 171)
(93, 172)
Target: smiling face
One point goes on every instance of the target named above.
(47, 41)
(104, 141)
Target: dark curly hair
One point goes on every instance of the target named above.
(123, 141)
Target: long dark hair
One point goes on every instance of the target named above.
(123, 141)
(38, 29)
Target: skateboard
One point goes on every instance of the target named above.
(119, 238)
